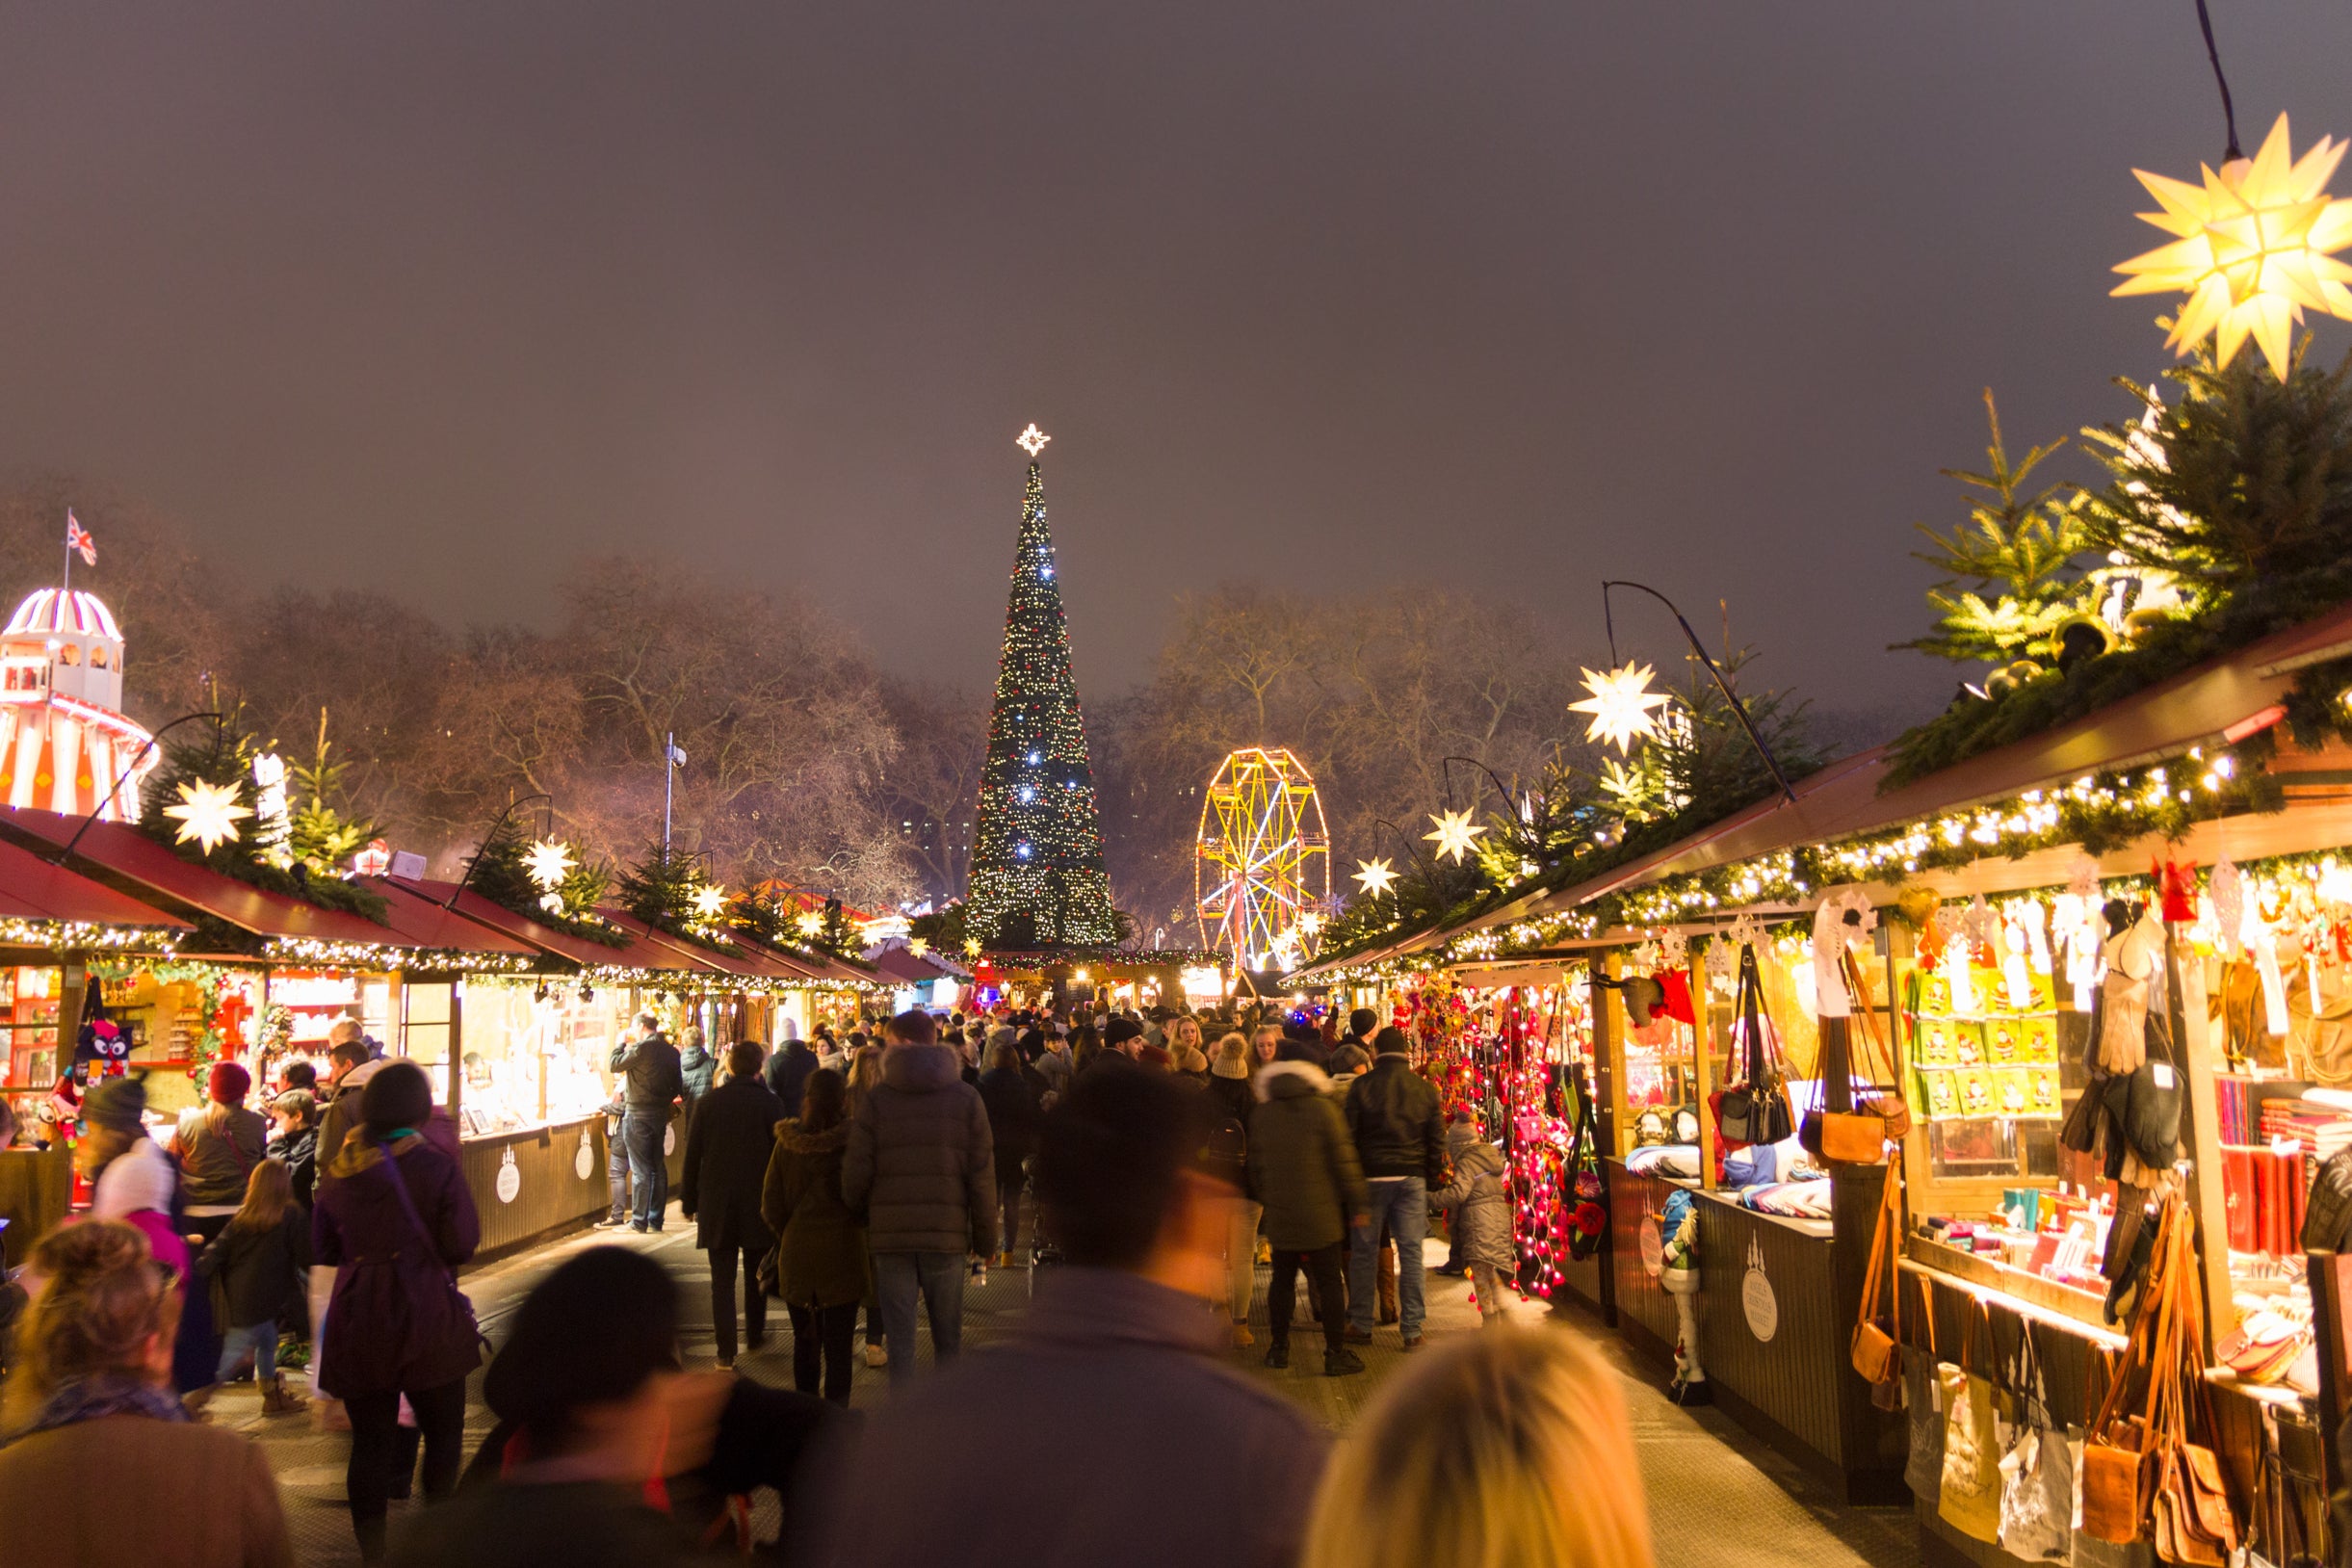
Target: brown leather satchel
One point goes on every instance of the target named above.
(1877, 1348)
(2119, 1469)
(1860, 1136)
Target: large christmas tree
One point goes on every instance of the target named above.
(1038, 878)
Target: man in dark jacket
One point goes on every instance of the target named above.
(1392, 1114)
(1115, 1361)
(921, 1169)
(651, 1084)
(787, 1073)
(1303, 1169)
(727, 1146)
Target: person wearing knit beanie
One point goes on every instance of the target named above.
(227, 1084)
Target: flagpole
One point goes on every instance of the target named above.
(68, 592)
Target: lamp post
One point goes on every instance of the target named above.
(125, 777)
(1721, 684)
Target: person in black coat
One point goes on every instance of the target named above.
(727, 1145)
(1009, 1090)
(787, 1073)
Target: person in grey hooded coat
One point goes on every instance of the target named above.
(1480, 1211)
(921, 1169)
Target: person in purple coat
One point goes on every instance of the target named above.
(394, 1219)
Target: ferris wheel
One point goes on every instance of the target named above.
(1261, 869)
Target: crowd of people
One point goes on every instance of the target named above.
(843, 1177)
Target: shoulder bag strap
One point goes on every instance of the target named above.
(416, 1221)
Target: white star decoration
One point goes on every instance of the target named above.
(710, 902)
(810, 922)
(2253, 252)
(1620, 705)
(1032, 441)
(1310, 923)
(548, 861)
(209, 814)
(1375, 878)
(1455, 835)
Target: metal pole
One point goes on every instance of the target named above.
(124, 778)
(1721, 684)
(670, 768)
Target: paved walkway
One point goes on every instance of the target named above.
(1717, 1497)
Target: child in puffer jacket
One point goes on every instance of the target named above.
(1480, 1214)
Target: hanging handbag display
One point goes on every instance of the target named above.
(1877, 1350)
(1879, 1113)
(1969, 1495)
(2118, 1447)
(2037, 1471)
(1757, 1109)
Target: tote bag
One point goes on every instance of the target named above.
(1969, 1495)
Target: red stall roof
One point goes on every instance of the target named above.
(32, 889)
(638, 954)
(292, 930)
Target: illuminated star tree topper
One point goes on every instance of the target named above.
(2253, 249)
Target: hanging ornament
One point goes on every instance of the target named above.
(1843, 921)
(2253, 250)
(1454, 837)
(1620, 705)
(1963, 979)
(1674, 950)
(1376, 878)
(208, 814)
(2229, 891)
(2015, 978)
(2177, 887)
(548, 862)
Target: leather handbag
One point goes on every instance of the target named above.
(1877, 1350)
(2118, 1466)
(1879, 1113)
(1757, 1109)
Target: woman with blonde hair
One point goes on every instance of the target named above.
(91, 1395)
(864, 1076)
(1507, 1449)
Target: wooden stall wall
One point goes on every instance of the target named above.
(557, 1180)
(35, 1185)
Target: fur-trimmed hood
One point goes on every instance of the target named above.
(791, 1139)
(1289, 1080)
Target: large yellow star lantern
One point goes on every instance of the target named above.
(810, 922)
(710, 902)
(1454, 836)
(972, 947)
(548, 862)
(2253, 250)
(1620, 705)
(917, 946)
(1376, 878)
(208, 814)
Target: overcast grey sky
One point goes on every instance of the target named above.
(438, 296)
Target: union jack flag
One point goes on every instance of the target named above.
(77, 538)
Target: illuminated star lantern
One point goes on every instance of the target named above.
(710, 902)
(917, 946)
(208, 814)
(811, 923)
(1032, 441)
(2253, 251)
(972, 947)
(1310, 923)
(549, 862)
(1620, 705)
(1455, 835)
(1375, 878)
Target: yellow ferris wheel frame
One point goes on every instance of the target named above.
(1262, 860)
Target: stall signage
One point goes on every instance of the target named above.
(583, 1163)
(670, 1140)
(313, 990)
(510, 1181)
(1652, 1247)
(1757, 1302)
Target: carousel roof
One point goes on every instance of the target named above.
(46, 611)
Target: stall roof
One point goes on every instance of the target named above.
(741, 964)
(639, 953)
(33, 890)
(2223, 700)
(127, 860)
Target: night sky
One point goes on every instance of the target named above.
(438, 297)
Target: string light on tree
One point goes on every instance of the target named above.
(208, 814)
(1621, 705)
(1377, 877)
(1454, 837)
(548, 861)
(2255, 249)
